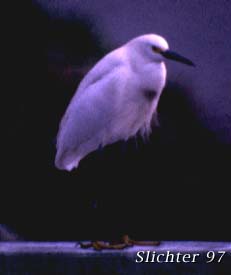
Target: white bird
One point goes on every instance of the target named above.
(116, 100)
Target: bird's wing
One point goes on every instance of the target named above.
(86, 123)
(105, 66)
(99, 72)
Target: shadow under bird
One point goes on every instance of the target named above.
(116, 100)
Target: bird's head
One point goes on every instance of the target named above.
(156, 48)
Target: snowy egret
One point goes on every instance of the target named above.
(116, 100)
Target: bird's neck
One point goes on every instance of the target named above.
(153, 76)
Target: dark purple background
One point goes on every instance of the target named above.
(186, 164)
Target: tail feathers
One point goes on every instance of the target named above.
(67, 161)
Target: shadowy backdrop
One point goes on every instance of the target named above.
(173, 187)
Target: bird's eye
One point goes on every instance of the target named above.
(156, 49)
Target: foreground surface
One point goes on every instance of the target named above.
(183, 257)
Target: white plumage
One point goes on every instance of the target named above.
(115, 100)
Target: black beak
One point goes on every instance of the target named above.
(175, 56)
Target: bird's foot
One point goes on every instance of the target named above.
(126, 242)
(99, 245)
